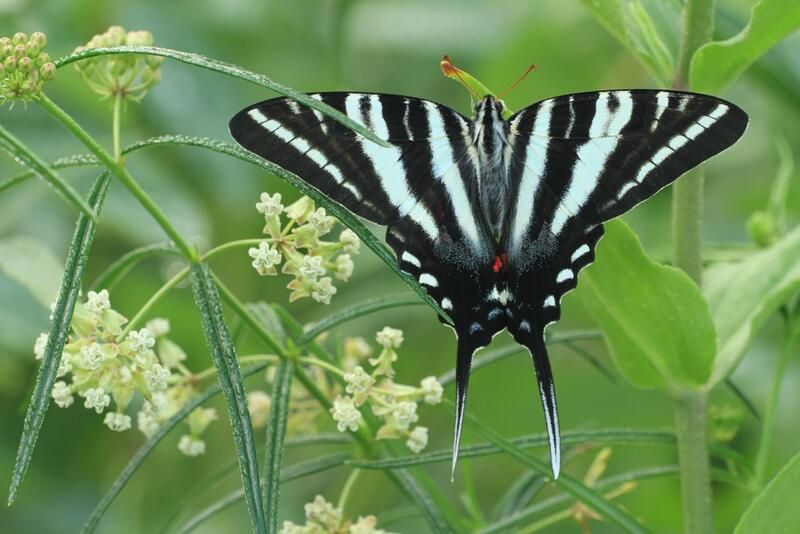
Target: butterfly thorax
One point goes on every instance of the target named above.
(489, 132)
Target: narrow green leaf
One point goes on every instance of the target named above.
(743, 295)
(654, 318)
(225, 360)
(78, 160)
(147, 447)
(293, 472)
(117, 270)
(32, 265)
(617, 436)
(25, 156)
(358, 310)
(276, 433)
(716, 65)
(231, 70)
(77, 256)
(518, 494)
(777, 508)
(524, 517)
(588, 496)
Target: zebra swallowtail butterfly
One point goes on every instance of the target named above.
(494, 217)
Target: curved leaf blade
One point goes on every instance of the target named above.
(77, 256)
(198, 60)
(225, 360)
(655, 319)
(716, 65)
(276, 434)
(777, 507)
(743, 295)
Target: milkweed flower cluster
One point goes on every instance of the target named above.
(395, 404)
(103, 367)
(323, 518)
(127, 75)
(24, 66)
(298, 248)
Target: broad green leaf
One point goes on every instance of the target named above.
(655, 320)
(777, 508)
(32, 265)
(716, 65)
(648, 29)
(77, 256)
(225, 360)
(276, 434)
(742, 296)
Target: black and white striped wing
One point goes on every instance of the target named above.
(423, 188)
(576, 161)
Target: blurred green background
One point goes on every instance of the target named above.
(347, 45)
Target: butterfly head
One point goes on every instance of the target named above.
(489, 109)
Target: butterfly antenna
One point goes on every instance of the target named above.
(521, 79)
(463, 365)
(547, 392)
(451, 71)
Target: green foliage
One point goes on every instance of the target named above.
(32, 265)
(777, 507)
(716, 65)
(743, 295)
(276, 434)
(654, 318)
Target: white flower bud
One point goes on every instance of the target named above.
(417, 439)
(344, 267)
(90, 357)
(321, 222)
(323, 290)
(96, 399)
(62, 394)
(40, 345)
(191, 446)
(156, 377)
(270, 205)
(350, 241)
(324, 514)
(265, 258)
(432, 390)
(358, 384)
(141, 340)
(405, 413)
(97, 302)
(390, 337)
(345, 414)
(158, 326)
(118, 422)
(311, 267)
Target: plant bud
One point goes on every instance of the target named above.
(6, 50)
(19, 38)
(761, 228)
(140, 38)
(48, 71)
(25, 65)
(115, 36)
(42, 58)
(10, 64)
(39, 38)
(20, 51)
(118, 66)
(32, 49)
(154, 62)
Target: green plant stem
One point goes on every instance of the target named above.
(116, 127)
(687, 222)
(687, 216)
(760, 475)
(347, 489)
(698, 29)
(690, 427)
(121, 174)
